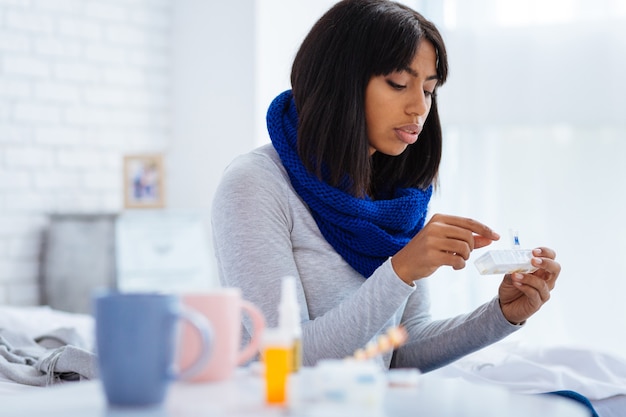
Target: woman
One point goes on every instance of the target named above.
(339, 198)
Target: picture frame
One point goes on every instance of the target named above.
(144, 181)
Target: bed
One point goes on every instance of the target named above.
(46, 333)
(521, 368)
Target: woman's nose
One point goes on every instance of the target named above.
(417, 105)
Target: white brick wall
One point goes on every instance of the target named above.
(82, 82)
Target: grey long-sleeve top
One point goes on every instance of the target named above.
(263, 231)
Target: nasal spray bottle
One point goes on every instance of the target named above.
(282, 346)
(289, 319)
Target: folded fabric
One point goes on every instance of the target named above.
(50, 358)
(540, 369)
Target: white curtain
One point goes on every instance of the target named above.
(534, 115)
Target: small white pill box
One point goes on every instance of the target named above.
(505, 262)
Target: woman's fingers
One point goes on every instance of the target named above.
(444, 240)
(535, 288)
(456, 237)
(464, 229)
(468, 224)
(544, 252)
(549, 268)
(481, 241)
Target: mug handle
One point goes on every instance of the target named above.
(205, 331)
(258, 325)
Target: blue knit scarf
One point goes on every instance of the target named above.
(364, 232)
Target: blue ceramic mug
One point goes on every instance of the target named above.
(136, 342)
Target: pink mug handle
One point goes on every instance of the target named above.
(258, 325)
(206, 334)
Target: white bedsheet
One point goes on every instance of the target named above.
(36, 320)
(536, 369)
(532, 369)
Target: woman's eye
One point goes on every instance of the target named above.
(395, 85)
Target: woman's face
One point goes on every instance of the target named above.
(397, 104)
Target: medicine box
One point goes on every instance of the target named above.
(505, 262)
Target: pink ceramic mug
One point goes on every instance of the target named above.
(223, 308)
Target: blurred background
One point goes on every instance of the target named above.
(533, 116)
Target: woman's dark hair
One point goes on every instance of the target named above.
(354, 41)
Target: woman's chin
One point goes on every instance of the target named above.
(395, 151)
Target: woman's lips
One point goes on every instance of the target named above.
(408, 133)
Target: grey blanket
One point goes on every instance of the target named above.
(57, 356)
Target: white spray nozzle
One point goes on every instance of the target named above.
(289, 310)
(288, 296)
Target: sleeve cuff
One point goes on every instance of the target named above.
(496, 302)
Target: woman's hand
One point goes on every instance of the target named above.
(444, 240)
(522, 295)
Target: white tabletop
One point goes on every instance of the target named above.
(243, 395)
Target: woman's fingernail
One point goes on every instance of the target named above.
(518, 276)
(537, 251)
(538, 260)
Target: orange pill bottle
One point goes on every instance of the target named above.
(277, 353)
